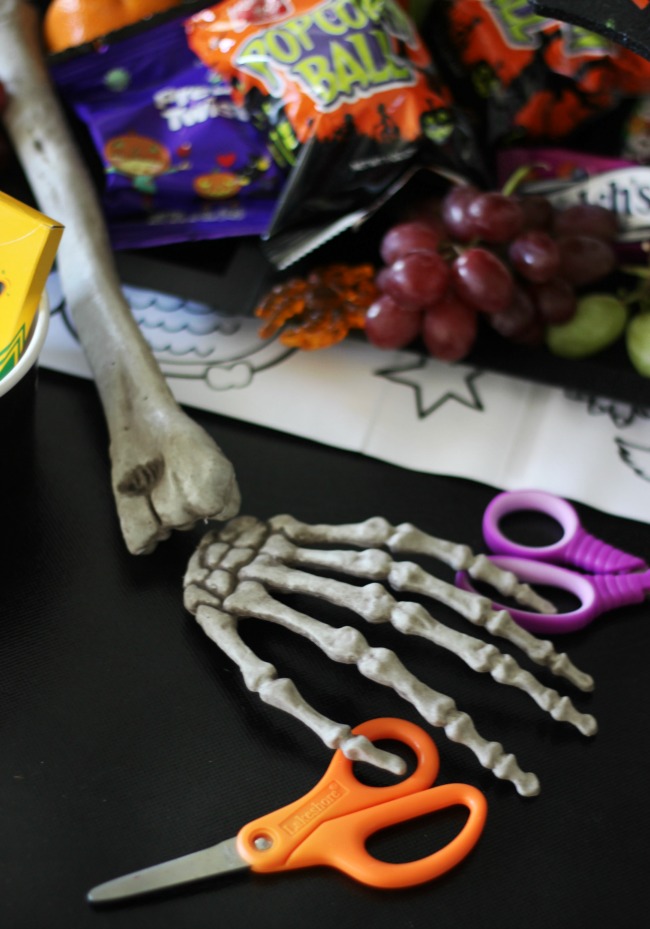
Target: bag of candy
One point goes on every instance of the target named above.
(530, 77)
(180, 161)
(346, 92)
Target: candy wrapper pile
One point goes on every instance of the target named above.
(258, 117)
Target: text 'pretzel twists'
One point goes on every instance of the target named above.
(233, 572)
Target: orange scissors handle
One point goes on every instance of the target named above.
(329, 825)
(341, 843)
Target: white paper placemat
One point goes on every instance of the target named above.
(401, 407)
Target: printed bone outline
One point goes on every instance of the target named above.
(226, 355)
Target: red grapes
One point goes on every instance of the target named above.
(515, 262)
(482, 280)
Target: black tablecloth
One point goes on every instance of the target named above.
(127, 737)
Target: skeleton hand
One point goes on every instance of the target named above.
(231, 574)
(166, 472)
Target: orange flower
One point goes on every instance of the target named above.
(319, 310)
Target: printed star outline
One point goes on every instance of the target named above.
(413, 374)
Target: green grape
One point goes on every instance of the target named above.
(598, 321)
(637, 339)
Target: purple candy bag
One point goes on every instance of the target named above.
(181, 162)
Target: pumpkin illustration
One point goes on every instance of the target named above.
(219, 185)
(137, 156)
(68, 23)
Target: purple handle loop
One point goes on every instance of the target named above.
(597, 594)
(576, 547)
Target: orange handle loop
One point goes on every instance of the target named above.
(272, 842)
(341, 843)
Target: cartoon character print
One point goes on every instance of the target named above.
(438, 124)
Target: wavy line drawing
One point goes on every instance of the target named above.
(191, 340)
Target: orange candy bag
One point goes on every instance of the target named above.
(322, 60)
(531, 77)
(345, 89)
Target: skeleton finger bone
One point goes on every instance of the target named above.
(234, 571)
(407, 539)
(261, 677)
(166, 472)
(375, 604)
(346, 644)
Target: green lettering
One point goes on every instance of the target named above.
(576, 40)
(282, 46)
(318, 77)
(375, 9)
(300, 26)
(402, 73)
(351, 14)
(327, 19)
(253, 59)
(347, 69)
(519, 25)
(389, 70)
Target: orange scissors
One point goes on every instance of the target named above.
(330, 825)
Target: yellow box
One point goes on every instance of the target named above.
(28, 244)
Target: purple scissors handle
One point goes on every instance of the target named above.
(577, 547)
(597, 593)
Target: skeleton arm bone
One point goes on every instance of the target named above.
(166, 471)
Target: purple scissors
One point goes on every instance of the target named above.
(616, 578)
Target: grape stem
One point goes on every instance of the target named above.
(518, 177)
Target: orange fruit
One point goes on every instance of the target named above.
(68, 23)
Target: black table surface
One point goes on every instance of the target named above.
(127, 738)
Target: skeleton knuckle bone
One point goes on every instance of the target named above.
(345, 644)
(195, 596)
(244, 531)
(373, 602)
(378, 663)
(276, 691)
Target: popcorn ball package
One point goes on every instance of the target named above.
(345, 91)
(180, 159)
